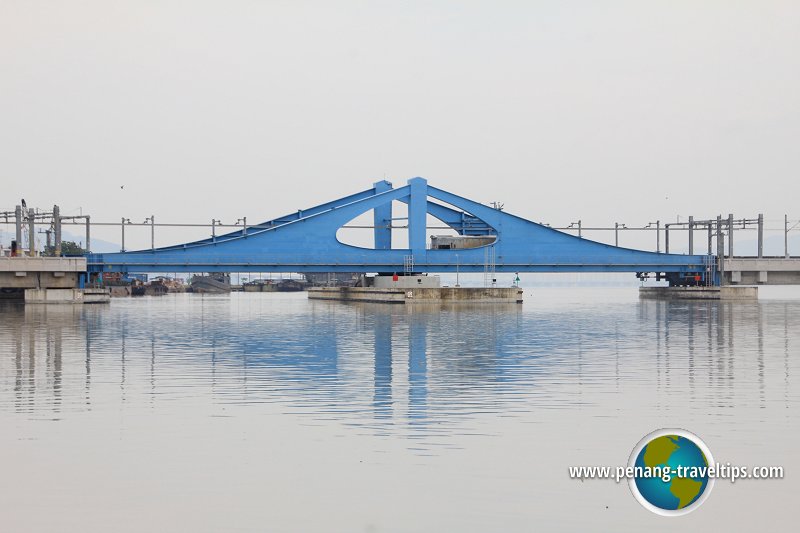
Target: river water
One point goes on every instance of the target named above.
(270, 412)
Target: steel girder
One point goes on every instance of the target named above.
(306, 241)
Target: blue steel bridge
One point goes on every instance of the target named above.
(306, 241)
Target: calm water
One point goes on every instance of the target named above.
(268, 412)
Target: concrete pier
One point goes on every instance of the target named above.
(47, 280)
(67, 296)
(724, 292)
(762, 270)
(414, 288)
(41, 272)
(418, 295)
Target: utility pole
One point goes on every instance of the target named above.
(786, 236)
(18, 219)
(57, 228)
(658, 236)
(730, 234)
(31, 232)
(760, 235)
(720, 246)
(691, 235)
(123, 233)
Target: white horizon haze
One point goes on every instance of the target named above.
(621, 111)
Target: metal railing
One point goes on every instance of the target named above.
(716, 229)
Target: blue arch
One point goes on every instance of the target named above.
(306, 241)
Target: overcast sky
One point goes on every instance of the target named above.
(605, 111)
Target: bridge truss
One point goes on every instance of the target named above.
(306, 241)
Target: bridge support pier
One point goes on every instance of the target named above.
(725, 292)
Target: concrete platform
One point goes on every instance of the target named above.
(96, 296)
(762, 270)
(471, 295)
(40, 272)
(699, 293)
(67, 296)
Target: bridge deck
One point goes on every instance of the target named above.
(306, 241)
(761, 270)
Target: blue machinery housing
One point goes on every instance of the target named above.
(306, 241)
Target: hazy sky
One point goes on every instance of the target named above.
(605, 111)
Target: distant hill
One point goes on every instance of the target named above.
(98, 245)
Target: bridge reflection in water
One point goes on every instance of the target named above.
(418, 370)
